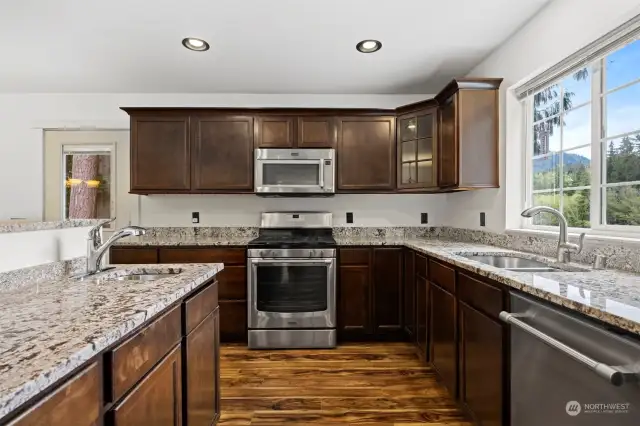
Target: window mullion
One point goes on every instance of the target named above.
(528, 169)
(595, 210)
(561, 156)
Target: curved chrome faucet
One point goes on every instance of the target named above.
(95, 248)
(564, 248)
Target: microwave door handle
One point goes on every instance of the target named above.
(321, 174)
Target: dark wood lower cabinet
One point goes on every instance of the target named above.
(442, 336)
(481, 366)
(233, 321)
(387, 292)
(157, 399)
(75, 403)
(354, 310)
(202, 404)
(422, 317)
(409, 296)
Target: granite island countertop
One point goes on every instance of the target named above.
(50, 328)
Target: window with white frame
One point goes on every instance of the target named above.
(583, 142)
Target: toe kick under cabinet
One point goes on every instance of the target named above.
(232, 280)
(165, 373)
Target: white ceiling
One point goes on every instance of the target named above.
(268, 46)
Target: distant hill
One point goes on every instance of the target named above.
(553, 159)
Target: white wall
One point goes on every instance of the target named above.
(22, 117)
(244, 210)
(556, 32)
(24, 249)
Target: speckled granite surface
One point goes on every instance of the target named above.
(193, 236)
(20, 277)
(23, 226)
(49, 328)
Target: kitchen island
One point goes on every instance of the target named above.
(128, 336)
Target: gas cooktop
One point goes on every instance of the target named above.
(294, 238)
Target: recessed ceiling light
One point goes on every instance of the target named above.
(196, 44)
(368, 46)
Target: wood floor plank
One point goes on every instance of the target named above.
(369, 384)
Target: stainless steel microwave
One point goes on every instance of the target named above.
(290, 172)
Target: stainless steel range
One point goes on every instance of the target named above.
(292, 282)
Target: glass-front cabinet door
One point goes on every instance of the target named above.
(416, 149)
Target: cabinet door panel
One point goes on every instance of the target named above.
(133, 255)
(316, 132)
(387, 290)
(481, 366)
(233, 282)
(354, 317)
(157, 399)
(448, 144)
(222, 153)
(422, 316)
(275, 132)
(409, 310)
(366, 154)
(233, 321)
(202, 355)
(160, 153)
(77, 403)
(443, 336)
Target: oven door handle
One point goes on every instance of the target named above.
(296, 262)
(321, 174)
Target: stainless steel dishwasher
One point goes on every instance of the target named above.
(568, 371)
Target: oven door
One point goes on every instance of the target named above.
(292, 293)
(280, 171)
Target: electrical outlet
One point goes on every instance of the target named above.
(195, 217)
(349, 217)
(424, 217)
(483, 219)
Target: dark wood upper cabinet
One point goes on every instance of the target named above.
(417, 149)
(160, 153)
(387, 291)
(366, 154)
(481, 366)
(275, 132)
(468, 142)
(222, 153)
(202, 403)
(442, 336)
(316, 132)
(157, 399)
(77, 402)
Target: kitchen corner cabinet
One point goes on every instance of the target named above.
(417, 149)
(160, 153)
(370, 294)
(468, 134)
(366, 154)
(295, 132)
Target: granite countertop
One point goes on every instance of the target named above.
(189, 240)
(30, 225)
(50, 328)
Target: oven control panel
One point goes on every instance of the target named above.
(291, 253)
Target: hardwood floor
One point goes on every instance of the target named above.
(372, 384)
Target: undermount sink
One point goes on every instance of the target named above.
(145, 277)
(513, 263)
(134, 276)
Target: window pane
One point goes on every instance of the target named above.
(623, 110)
(425, 172)
(425, 126)
(408, 151)
(425, 149)
(549, 199)
(577, 208)
(577, 88)
(623, 205)
(408, 129)
(546, 136)
(409, 172)
(623, 159)
(87, 192)
(546, 103)
(576, 127)
(546, 172)
(577, 167)
(623, 65)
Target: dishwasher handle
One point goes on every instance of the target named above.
(614, 375)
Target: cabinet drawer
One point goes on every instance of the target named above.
(232, 283)
(133, 255)
(202, 255)
(356, 256)
(442, 275)
(198, 306)
(138, 354)
(421, 266)
(77, 403)
(480, 295)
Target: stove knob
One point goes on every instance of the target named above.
(310, 253)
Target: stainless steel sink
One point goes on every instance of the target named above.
(145, 277)
(513, 263)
